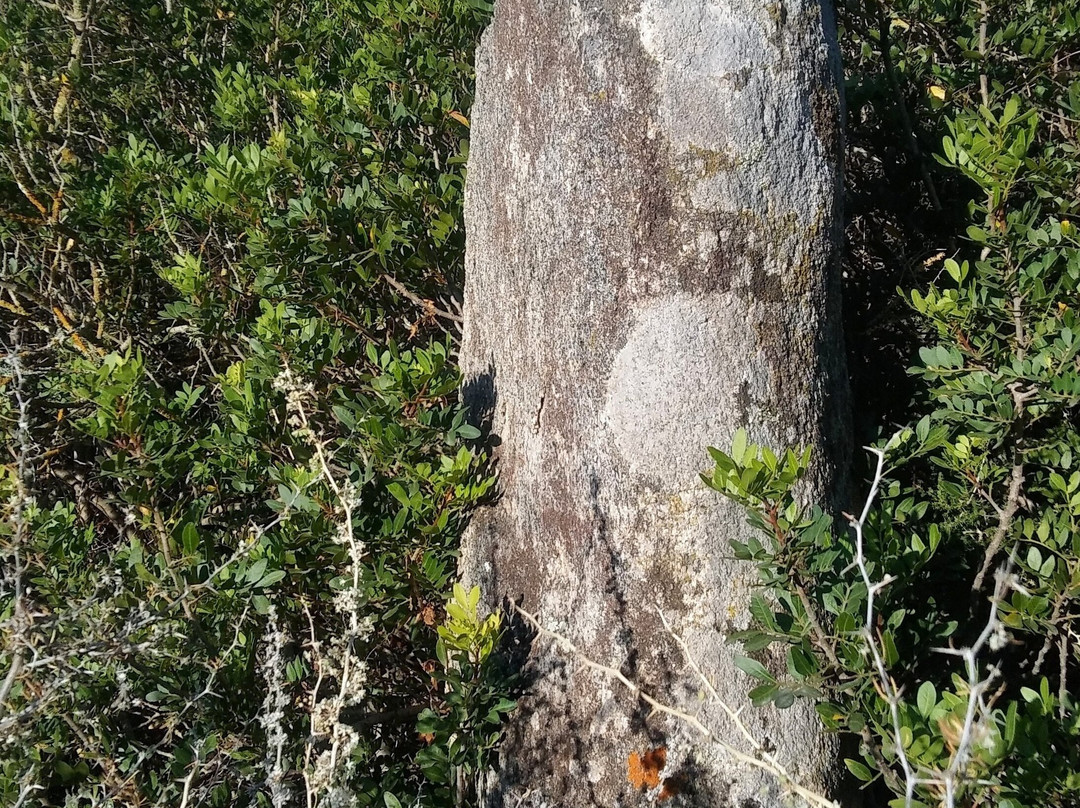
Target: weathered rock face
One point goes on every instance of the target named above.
(651, 222)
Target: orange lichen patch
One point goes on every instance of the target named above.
(643, 771)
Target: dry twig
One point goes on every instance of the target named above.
(760, 760)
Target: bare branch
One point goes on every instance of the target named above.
(977, 712)
(428, 306)
(766, 762)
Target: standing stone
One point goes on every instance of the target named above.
(652, 224)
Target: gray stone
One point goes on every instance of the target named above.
(652, 226)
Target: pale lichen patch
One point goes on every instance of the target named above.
(652, 414)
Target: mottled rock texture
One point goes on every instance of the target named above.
(652, 225)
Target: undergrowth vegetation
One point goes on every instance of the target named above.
(952, 658)
(237, 472)
(239, 469)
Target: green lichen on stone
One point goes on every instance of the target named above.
(712, 161)
(698, 163)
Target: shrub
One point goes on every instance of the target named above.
(987, 477)
(241, 468)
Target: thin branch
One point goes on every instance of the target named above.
(428, 306)
(740, 725)
(1016, 484)
(984, 84)
(977, 709)
(21, 617)
(1063, 671)
(1005, 518)
(765, 763)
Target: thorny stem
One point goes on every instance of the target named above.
(79, 19)
(822, 638)
(885, 683)
(1005, 518)
(1063, 663)
(976, 709)
(976, 706)
(428, 306)
(164, 542)
(345, 496)
(1055, 617)
(309, 748)
(20, 618)
(188, 781)
(766, 762)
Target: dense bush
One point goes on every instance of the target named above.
(238, 472)
(972, 109)
(240, 468)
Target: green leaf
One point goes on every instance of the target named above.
(926, 698)
(270, 579)
(1011, 108)
(831, 714)
(892, 656)
(922, 429)
(764, 694)
(190, 538)
(256, 570)
(845, 623)
(399, 494)
(859, 770)
(738, 446)
(753, 668)
(800, 664)
(783, 699)
(427, 722)
(761, 612)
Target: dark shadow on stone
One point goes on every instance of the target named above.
(697, 790)
(512, 652)
(480, 394)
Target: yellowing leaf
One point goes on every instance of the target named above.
(457, 116)
(938, 92)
